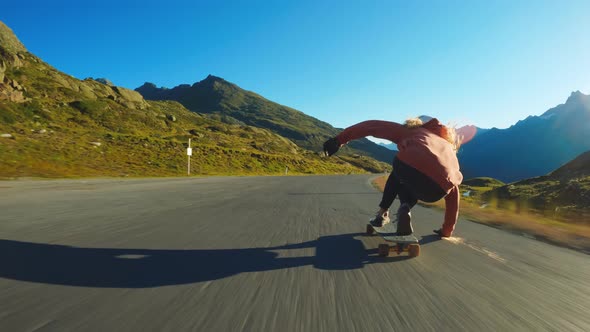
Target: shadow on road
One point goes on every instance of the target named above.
(429, 239)
(331, 194)
(141, 268)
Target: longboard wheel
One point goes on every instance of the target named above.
(414, 250)
(370, 230)
(383, 250)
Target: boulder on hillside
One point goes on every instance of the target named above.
(129, 98)
(104, 81)
(9, 89)
(12, 91)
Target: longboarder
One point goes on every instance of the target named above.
(426, 167)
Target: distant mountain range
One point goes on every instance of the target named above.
(533, 146)
(390, 146)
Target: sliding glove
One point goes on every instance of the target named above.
(331, 146)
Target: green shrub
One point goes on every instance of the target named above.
(7, 115)
(92, 108)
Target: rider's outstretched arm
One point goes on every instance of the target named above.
(391, 131)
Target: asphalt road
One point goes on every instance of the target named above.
(264, 254)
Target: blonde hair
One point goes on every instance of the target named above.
(413, 123)
(453, 138)
(449, 133)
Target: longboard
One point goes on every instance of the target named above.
(407, 243)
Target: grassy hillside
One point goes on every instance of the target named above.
(482, 182)
(563, 194)
(217, 96)
(54, 125)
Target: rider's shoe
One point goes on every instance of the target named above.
(380, 219)
(404, 221)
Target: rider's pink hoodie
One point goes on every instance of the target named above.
(424, 149)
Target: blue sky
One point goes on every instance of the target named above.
(488, 63)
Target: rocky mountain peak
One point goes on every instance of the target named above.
(211, 78)
(9, 41)
(577, 103)
(148, 85)
(104, 81)
(577, 97)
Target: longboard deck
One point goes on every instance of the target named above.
(406, 243)
(388, 233)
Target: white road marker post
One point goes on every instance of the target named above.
(189, 153)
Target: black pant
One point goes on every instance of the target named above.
(411, 185)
